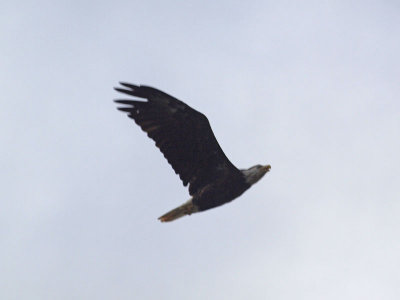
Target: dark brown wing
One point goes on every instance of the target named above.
(183, 135)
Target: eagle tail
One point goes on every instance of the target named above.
(186, 208)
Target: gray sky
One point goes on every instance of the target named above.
(310, 87)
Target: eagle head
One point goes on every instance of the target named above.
(255, 173)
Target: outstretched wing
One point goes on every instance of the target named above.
(183, 135)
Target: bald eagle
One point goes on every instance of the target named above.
(187, 141)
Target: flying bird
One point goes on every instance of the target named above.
(187, 141)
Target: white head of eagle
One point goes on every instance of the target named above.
(186, 139)
(255, 173)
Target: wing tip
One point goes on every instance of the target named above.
(121, 90)
(121, 101)
(125, 109)
(129, 85)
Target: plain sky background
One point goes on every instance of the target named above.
(310, 87)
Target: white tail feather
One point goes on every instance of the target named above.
(185, 209)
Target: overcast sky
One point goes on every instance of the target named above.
(310, 87)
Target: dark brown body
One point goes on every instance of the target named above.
(221, 191)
